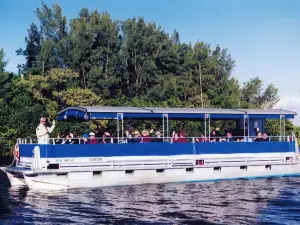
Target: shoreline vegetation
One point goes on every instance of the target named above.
(94, 60)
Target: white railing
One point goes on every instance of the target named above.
(154, 139)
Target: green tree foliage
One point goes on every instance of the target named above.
(33, 47)
(95, 60)
(3, 62)
(253, 94)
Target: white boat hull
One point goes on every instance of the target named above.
(116, 178)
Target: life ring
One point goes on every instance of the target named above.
(17, 152)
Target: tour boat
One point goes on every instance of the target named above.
(60, 166)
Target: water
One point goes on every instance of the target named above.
(261, 201)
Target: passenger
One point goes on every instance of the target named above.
(74, 140)
(182, 133)
(158, 137)
(136, 137)
(128, 135)
(59, 139)
(200, 139)
(265, 137)
(175, 137)
(259, 137)
(67, 140)
(229, 137)
(213, 136)
(179, 138)
(42, 131)
(106, 138)
(146, 136)
(182, 137)
(93, 139)
(84, 139)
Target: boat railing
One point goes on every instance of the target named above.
(110, 140)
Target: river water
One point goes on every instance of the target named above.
(258, 201)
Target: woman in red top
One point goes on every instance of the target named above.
(182, 136)
(178, 137)
(146, 136)
(93, 139)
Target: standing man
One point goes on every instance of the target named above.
(42, 131)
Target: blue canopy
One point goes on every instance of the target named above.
(106, 113)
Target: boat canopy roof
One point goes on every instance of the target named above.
(107, 112)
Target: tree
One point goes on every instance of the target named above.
(81, 42)
(33, 46)
(3, 62)
(53, 33)
(254, 96)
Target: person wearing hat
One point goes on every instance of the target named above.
(93, 139)
(42, 131)
(106, 138)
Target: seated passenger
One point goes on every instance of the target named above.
(68, 140)
(106, 138)
(178, 138)
(182, 137)
(213, 136)
(200, 139)
(174, 137)
(136, 137)
(59, 139)
(75, 140)
(265, 137)
(84, 139)
(259, 137)
(229, 137)
(93, 139)
(158, 137)
(146, 136)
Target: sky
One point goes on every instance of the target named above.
(261, 35)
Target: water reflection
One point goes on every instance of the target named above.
(226, 202)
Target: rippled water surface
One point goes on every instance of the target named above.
(261, 201)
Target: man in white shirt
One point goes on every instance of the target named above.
(42, 131)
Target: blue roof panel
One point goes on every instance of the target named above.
(103, 112)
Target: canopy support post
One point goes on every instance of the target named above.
(120, 117)
(165, 126)
(282, 128)
(280, 117)
(163, 123)
(248, 122)
(209, 129)
(245, 117)
(167, 115)
(205, 127)
(206, 116)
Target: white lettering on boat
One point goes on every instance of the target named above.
(95, 159)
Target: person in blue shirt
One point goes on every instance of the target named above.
(229, 137)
